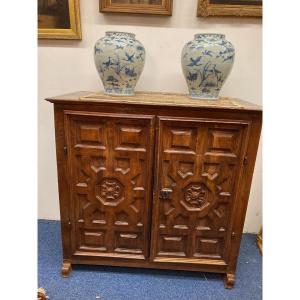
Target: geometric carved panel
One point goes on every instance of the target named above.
(98, 217)
(223, 141)
(121, 218)
(208, 247)
(122, 165)
(92, 240)
(198, 164)
(185, 169)
(172, 245)
(181, 222)
(131, 138)
(211, 170)
(97, 163)
(110, 159)
(180, 140)
(129, 242)
(91, 134)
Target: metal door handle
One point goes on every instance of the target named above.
(165, 194)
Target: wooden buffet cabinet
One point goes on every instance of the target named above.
(155, 180)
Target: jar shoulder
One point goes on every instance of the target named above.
(203, 45)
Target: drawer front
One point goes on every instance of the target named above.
(198, 166)
(110, 167)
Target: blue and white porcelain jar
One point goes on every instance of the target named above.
(206, 63)
(119, 59)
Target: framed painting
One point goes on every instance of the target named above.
(59, 19)
(236, 8)
(151, 7)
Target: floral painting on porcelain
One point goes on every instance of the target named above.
(206, 63)
(119, 59)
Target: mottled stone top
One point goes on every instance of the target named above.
(155, 98)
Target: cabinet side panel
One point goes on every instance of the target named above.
(63, 187)
(239, 212)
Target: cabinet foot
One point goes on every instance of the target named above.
(66, 269)
(41, 294)
(229, 280)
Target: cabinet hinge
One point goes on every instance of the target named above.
(65, 150)
(245, 161)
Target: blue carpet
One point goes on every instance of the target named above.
(116, 283)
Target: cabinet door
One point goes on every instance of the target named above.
(199, 162)
(110, 166)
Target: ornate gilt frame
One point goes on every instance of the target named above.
(206, 9)
(74, 33)
(164, 9)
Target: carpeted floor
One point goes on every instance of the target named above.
(114, 283)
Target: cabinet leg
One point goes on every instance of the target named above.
(229, 279)
(66, 268)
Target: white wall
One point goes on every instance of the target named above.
(67, 66)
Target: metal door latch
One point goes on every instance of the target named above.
(165, 194)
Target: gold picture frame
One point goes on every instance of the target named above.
(72, 33)
(165, 8)
(207, 8)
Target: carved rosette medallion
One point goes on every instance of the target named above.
(110, 191)
(195, 196)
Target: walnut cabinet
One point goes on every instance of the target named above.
(154, 180)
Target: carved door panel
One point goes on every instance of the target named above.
(110, 166)
(198, 163)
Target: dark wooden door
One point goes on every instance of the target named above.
(110, 167)
(199, 162)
